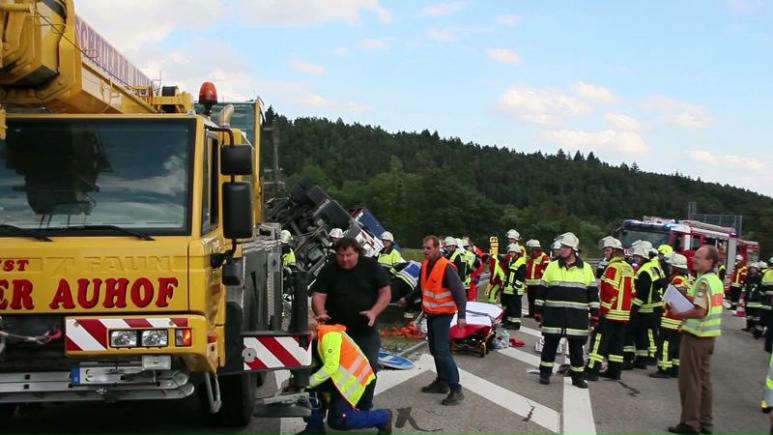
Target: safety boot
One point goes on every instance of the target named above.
(455, 397)
(436, 387)
(660, 374)
(386, 429)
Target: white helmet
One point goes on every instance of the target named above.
(513, 234)
(533, 243)
(336, 233)
(677, 261)
(450, 241)
(569, 240)
(764, 265)
(285, 237)
(386, 235)
(465, 242)
(755, 265)
(610, 242)
(556, 245)
(739, 257)
(647, 245)
(641, 251)
(460, 243)
(514, 247)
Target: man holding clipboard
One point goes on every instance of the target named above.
(702, 324)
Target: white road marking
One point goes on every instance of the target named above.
(392, 378)
(520, 355)
(530, 331)
(578, 412)
(513, 402)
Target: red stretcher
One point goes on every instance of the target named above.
(478, 336)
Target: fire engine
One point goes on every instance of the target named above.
(686, 236)
(135, 262)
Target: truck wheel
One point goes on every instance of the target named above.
(7, 410)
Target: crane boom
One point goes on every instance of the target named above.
(52, 59)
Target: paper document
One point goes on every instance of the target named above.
(676, 301)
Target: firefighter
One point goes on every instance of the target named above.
(288, 254)
(554, 248)
(566, 298)
(497, 279)
(669, 336)
(454, 255)
(616, 296)
(535, 266)
(664, 251)
(739, 280)
(512, 293)
(336, 234)
(753, 299)
(471, 261)
(389, 257)
(342, 378)
(477, 269)
(766, 289)
(644, 313)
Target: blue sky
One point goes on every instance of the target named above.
(673, 85)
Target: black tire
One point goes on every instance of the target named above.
(7, 410)
(335, 215)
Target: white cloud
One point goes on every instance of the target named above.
(109, 18)
(541, 106)
(504, 55)
(319, 102)
(679, 113)
(342, 51)
(374, 44)
(510, 20)
(625, 143)
(619, 121)
(308, 12)
(750, 172)
(307, 67)
(595, 93)
(441, 35)
(440, 9)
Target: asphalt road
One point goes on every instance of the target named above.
(501, 396)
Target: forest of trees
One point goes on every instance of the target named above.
(420, 183)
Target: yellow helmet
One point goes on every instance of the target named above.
(665, 249)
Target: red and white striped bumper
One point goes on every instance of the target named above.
(276, 352)
(92, 334)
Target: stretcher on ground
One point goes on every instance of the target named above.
(478, 336)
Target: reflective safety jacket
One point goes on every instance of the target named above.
(668, 320)
(343, 362)
(469, 260)
(389, 258)
(739, 276)
(767, 398)
(497, 279)
(565, 297)
(766, 288)
(516, 276)
(753, 291)
(711, 325)
(436, 298)
(648, 286)
(288, 258)
(535, 267)
(410, 273)
(459, 263)
(616, 290)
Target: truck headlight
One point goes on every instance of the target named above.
(155, 337)
(123, 338)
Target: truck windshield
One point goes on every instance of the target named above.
(654, 237)
(130, 173)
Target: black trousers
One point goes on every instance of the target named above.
(735, 295)
(607, 342)
(668, 348)
(576, 360)
(640, 340)
(512, 303)
(531, 295)
(370, 343)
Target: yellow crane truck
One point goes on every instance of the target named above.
(134, 260)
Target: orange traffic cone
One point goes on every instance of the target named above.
(740, 310)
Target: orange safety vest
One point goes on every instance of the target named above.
(436, 299)
(354, 372)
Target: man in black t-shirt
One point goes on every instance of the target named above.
(353, 291)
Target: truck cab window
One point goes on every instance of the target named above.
(211, 185)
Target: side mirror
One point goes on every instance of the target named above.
(236, 160)
(238, 213)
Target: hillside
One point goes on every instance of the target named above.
(420, 183)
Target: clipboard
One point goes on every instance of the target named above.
(676, 300)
